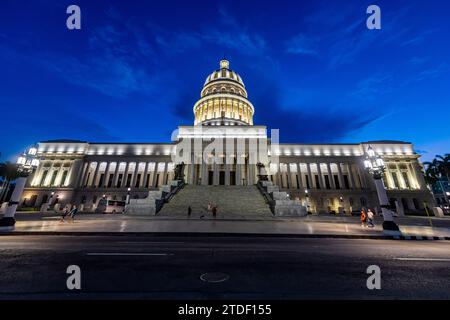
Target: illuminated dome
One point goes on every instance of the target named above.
(223, 100)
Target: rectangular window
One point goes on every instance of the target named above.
(52, 181)
(346, 182)
(317, 181)
(307, 182)
(405, 178)
(63, 179)
(101, 180)
(119, 180)
(147, 183)
(395, 178)
(327, 181)
(129, 180)
(298, 181)
(138, 181)
(336, 182)
(110, 180)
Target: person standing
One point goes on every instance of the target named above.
(65, 213)
(370, 219)
(189, 211)
(214, 211)
(73, 212)
(363, 218)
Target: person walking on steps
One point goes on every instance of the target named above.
(189, 211)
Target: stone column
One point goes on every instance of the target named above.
(155, 174)
(299, 174)
(350, 176)
(144, 177)
(340, 176)
(331, 176)
(85, 181)
(106, 175)
(94, 182)
(308, 167)
(136, 171)
(204, 180)
(319, 172)
(227, 174)
(238, 174)
(289, 178)
(116, 175)
(216, 172)
(125, 174)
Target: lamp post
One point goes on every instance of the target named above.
(127, 201)
(307, 200)
(374, 164)
(26, 164)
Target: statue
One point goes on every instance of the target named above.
(179, 171)
(262, 173)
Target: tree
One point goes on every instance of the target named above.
(443, 163)
(432, 173)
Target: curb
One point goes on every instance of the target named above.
(222, 235)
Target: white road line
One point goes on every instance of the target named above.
(422, 259)
(127, 254)
(148, 242)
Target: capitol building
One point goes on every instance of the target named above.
(224, 151)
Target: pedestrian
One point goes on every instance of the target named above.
(209, 207)
(363, 218)
(370, 218)
(65, 213)
(189, 211)
(214, 211)
(73, 212)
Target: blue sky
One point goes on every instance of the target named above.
(312, 69)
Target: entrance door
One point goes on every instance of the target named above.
(222, 178)
(233, 178)
(210, 178)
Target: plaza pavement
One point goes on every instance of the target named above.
(320, 226)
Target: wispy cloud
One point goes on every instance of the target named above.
(302, 45)
(373, 87)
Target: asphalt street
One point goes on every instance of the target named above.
(131, 267)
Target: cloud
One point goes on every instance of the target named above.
(302, 45)
(373, 87)
(418, 38)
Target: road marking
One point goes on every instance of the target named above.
(127, 254)
(422, 259)
(149, 242)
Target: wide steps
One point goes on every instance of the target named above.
(230, 200)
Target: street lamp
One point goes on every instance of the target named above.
(306, 200)
(128, 196)
(374, 164)
(26, 164)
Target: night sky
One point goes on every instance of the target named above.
(311, 68)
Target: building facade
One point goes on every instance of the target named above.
(224, 147)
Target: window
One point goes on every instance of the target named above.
(128, 184)
(336, 182)
(110, 181)
(138, 181)
(317, 181)
(346, 182)
(63, 179)
(307, 182)
(405, 178)
(395, 178)
(44, 176)
(119, 181)
(101, 180)
(52, 181)
(327, 181)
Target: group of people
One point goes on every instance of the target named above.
(70, 212)
(211, 208)
(367, 219)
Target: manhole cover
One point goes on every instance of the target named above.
(214, 277)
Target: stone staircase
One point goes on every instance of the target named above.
(231, 201)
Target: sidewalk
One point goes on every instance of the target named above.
(343, 227)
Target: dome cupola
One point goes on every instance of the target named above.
(223, 99)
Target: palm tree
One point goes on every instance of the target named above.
(432, 172)
(444, 165)
(9, 172)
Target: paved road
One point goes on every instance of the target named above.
(162, 267)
